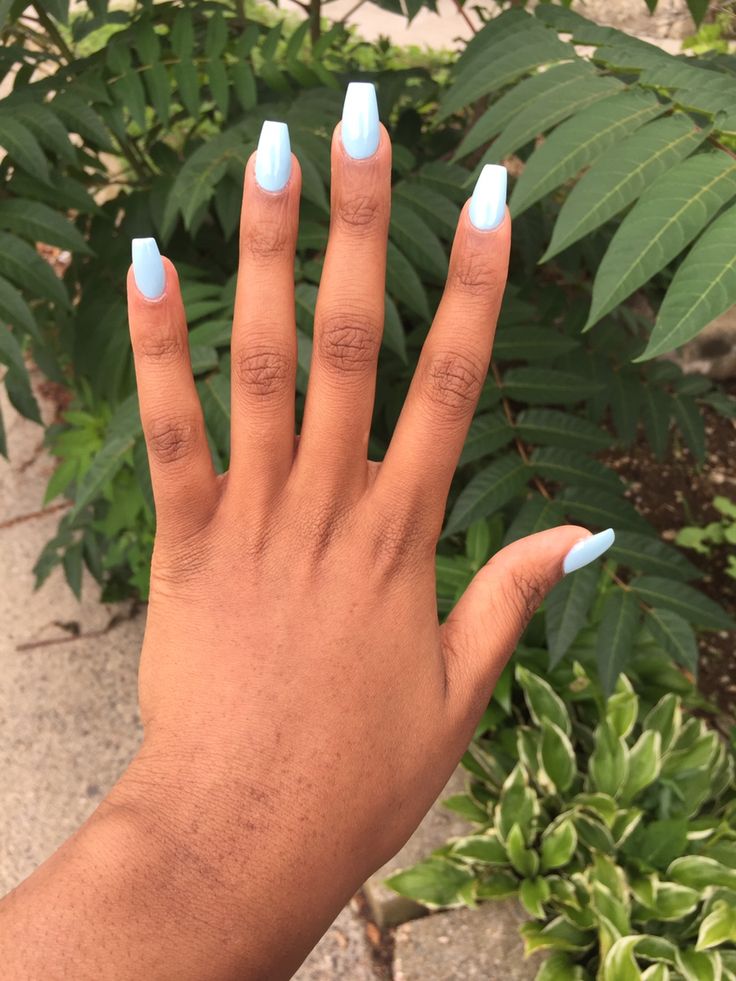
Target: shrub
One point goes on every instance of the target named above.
(613, 821)
(169, 98)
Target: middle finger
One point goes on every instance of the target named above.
(348, 321)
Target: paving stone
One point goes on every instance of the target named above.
(465, 944)
(387, 907)
(343, 953)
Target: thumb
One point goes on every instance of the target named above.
(483, 629)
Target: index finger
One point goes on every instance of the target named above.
(429, 436)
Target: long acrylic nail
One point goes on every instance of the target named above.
(587, 550)
(273, 156)
(488, 203)
(360, 128)
(148, 268)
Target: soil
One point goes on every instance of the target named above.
(676, 492)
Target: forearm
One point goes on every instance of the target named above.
(171, 882)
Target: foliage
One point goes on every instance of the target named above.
(169, 100)
(722, 532)
(614, 822)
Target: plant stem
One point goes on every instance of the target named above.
(53, 32)
(465, 17)
(519, 445)
(315, 26)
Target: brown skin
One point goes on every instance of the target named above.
(302, 705)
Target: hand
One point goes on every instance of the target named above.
(302, 705)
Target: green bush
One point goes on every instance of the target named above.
(159, 107)
(614, 821)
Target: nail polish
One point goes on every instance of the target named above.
(488, 203)
(360, 128)
(148, 269)
(587, 550)
(273, 156)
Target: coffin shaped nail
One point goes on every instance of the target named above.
(273, 156)
(587, 550)
(148, 268)
(488, 203)
(360, 128)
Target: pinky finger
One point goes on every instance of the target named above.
(183, 478)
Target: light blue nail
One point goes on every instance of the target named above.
(587, 550)
(360, 129)
(273, 156)
(148, 268)
(488, 203)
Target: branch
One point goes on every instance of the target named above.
(53, 32)
(519, 445)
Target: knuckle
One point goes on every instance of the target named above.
(171, 440)
(475, 275)
(159, 347)
(348, 341)
(521, 595)
(265, 241)
(454, 381)
(262, 373)
(359, 213)
(399, 539)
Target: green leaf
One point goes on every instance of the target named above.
(497, 884)
(656, 972)
(567, 607)
(517, 55)
(625, 399)
(533, 894)
(486, 849)
(536, 514)
(691, 424)
(622, 708)
(578, 142)
(517, 805)
(542, 701)
(621, 175)
(219, 85)
(569, 467)
(703, 286)
(187, 84)
(698, 872)
(718, 927)
(20, 394)
(558, 845)
(15, 310)
(645, 761)
(683, 599)
(619, 963)
(645, 553)
(488, 491)
(523, 859)
(182, 34)
(216, 35)
(81, 118)
(609, 763)
(675, 635)
(547, 386)
(10, 352)
(597, 508)
(22, 264)
(666, 718)
(466, 807)
(555, 935)
(488, 433)
(559, 967)
(558, 756)
(22, 147)
(656, 412)
(414, 237)
(673, 901)
(39, 223)
(438, 211)
(404, 284)
(434, 882)
(244, 84)
(559, 100)
(518, 99)
(530, 342)
(699, 965)
(616, 637)
(667, 217)
(195, 182)
(698, 10)
(555, 428)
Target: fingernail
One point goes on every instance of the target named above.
(360, 131)
(488, 203)
(273, 156)
(588, 549)
(148, 268)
